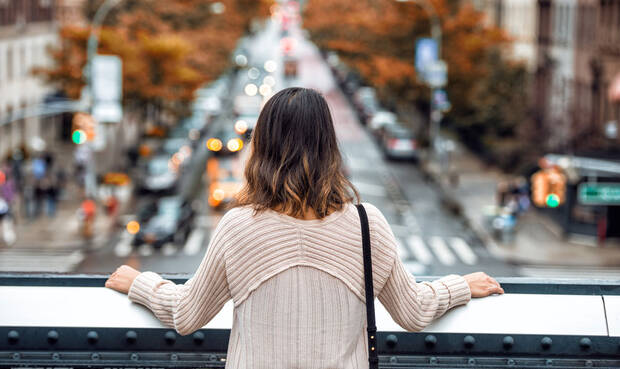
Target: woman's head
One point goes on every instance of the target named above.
(295, 164)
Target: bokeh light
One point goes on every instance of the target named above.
(133, 227)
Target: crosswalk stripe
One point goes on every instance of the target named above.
(123, 247)
(40, 261)
(194, 242)
(415, 268)
(418, 247)
(463, 250)
(442, 251)
(403, 252)
(145, 250)
(168, 249)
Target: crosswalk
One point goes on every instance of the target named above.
(193, 245)
(434, 249)
(27, 260)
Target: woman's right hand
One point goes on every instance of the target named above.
(481, 285)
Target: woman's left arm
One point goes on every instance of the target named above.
(184, 307)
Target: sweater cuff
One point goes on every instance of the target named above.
(458, 288)
(143, 286)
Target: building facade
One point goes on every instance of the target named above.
(578, 59)
(27, 29)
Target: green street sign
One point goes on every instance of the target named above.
(599, 193)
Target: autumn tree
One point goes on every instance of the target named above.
(168, 48)
(377, 39)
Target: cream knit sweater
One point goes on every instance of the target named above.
(298, 289)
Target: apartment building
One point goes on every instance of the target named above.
(27, 28)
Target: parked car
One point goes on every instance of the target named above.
(172, 222)
(366, 103)
(380, 120)
(225, 177)
(399, 142)
(158, 176)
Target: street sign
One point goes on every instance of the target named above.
(599, 193)
(107, 88)
(436, 74)
(426, 52)
(440, 100)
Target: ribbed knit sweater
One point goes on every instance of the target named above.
(298, 289)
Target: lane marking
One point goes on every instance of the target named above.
(194, 242)
(442, 251)
(420, 251)
(463, 250)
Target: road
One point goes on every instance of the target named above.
(432, 241)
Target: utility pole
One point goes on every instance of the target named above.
(435, 111)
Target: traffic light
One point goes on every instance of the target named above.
(557, 188)
(84, 128)
(548, 188)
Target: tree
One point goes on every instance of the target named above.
(168, 48)
(377, 39)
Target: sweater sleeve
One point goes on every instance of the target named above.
(190, 306)
(414, 305)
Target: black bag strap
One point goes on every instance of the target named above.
(373, 359)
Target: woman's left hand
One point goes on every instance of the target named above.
(122, 279)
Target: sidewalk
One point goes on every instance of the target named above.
(62, 231)
(537, 239)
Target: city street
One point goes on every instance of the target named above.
(432, 241)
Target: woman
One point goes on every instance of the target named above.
(290, 256)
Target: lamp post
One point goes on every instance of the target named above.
(435, 113)
(91, 50)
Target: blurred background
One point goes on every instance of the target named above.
(486, 131)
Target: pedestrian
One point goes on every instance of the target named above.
(290, 252)
(51, 194)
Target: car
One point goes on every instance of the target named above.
(158, 176)
(399, 142)
(225, 178)
(171, 223)
(379, 120)
(366, 103)
(225, 141)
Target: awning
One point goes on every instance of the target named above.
(614, 89)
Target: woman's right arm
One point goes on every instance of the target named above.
(415, 305)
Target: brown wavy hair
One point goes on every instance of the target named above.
(295, 164)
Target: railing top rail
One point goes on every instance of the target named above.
(549, 286)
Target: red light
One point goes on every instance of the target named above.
(2, 178)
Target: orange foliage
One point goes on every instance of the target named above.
(377, 38)
(169, 48)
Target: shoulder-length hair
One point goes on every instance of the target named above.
(295, 164)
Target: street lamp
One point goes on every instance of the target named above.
(435, 114)
(91, 49)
